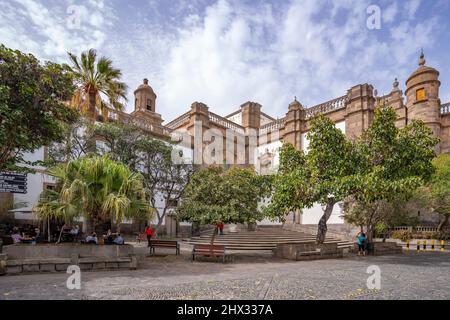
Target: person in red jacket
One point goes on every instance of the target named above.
(220, 227)
(149, 233)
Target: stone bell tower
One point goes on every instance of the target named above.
(145, 98)
(422, 97)
(145, 106)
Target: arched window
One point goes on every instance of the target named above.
(149, 104)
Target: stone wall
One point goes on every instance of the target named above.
(18, 259)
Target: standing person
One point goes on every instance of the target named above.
(361, 237)
(149, 233)
(221, 226)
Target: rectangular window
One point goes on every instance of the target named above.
(420, 94)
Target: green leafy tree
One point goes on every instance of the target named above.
(97, 188)
(394, 162)
(78, 141)
(122, 142)
(94, 80)
(163, 178)
(32, 106)
(215, 196)
(384, 163)
(315, 177)
(435, 194)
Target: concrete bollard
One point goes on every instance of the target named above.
(442, 245)
(418, 246)
(424, 245)
(432, 245)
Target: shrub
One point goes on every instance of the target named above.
(403, 235)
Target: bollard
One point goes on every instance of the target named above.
(424, 245)
(418, 246)
(432, 245)
(407, 245)
(442, 245)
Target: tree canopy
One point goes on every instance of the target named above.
(94, 80)
(317, 176)
(435, 194)
(382, 164)
(97, 188)
(32, 105)
(215, 195)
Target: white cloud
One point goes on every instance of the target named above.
(229, 52)
(46, 30)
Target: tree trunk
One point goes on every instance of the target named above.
(322, 227)
(60, 234)
(158, 227)
(443, 223)
(369, 235)
(91, 107)
(214, 234)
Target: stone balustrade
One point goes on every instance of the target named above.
(335, 104)
(272, 126)
(178, 122)
(215, 118)
(445, 109)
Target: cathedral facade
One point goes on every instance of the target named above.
(250, 137)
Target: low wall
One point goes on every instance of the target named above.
(18, 259)
(308, 251)
(48, 251)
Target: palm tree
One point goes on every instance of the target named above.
(94, 80)
(97, 188)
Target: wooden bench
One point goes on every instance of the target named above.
(208, 250)
(154, 243)
(141, 237)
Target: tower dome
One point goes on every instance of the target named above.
(422, 96)
(145, 97)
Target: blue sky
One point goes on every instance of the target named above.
(226, 52)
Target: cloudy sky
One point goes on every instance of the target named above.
(226, 52)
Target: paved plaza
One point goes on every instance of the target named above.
(407, 276)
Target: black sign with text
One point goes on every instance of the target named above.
(13, 182)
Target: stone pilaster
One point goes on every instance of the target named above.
(294, 124)
(359, 110)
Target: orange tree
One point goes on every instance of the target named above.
(215, 195)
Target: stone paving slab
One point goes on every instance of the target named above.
(407, 276)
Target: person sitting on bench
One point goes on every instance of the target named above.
(92, 238)
(119, 240)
